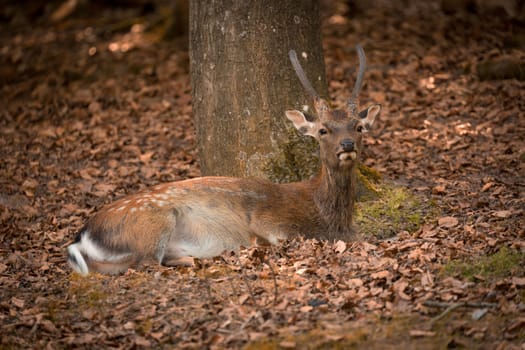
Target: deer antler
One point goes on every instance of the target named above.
(320, 105)
(301, 75)
(352, 102)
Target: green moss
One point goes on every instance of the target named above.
(370, 173)
(504, 263)
(394, 209)
(368, 181)
(145, 327)
(90, 291)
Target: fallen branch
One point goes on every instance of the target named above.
(453, 306)
(441, 304)
(444, 313)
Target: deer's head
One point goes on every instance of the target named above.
(339, 132)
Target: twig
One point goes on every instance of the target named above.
(453, 306)
(446, 312)
(224, 331)
(441, 304)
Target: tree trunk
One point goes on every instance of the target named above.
(242, 83)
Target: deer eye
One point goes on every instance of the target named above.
(323, 132)
(359, 128)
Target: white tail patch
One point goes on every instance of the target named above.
(92, 252)
(97, 253)
(76, 260)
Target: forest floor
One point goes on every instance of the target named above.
(92, 110)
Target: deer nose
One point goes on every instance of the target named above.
(347, 145)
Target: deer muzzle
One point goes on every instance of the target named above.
(346, 156)
(348, 150)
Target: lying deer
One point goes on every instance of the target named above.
(205, 216)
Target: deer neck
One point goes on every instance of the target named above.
(334, 198)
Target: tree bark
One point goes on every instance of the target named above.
(242, 83)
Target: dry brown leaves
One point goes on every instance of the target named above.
(89, 116)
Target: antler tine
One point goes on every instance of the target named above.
(361, 73)
(352, 102)
(301, 75)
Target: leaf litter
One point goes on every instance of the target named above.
(90, 115)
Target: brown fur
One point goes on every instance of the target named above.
(204, 216)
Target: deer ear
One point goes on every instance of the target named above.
(368, 116)
(301, 124)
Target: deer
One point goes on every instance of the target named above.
(205, 216)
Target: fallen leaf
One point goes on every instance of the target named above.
(340, 246)
(354, 282)
(427, 280)
(487, 186)
(141, 341)
(48, 326)
(416, 333)
(502, 214)
(89, 314)
(334, 337)
(439, 189)
(518, 281)
(306, 308)
(17, 302)
(448, 221)
(431, 60)
(256, 335)
(288, 344)
(157, 335)
(102, 189)
(146, 157)
(381, 274)
(129, 325)
(373, 304)
(29, 186)
(400, 285)
(243, 298)
(83, 339)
